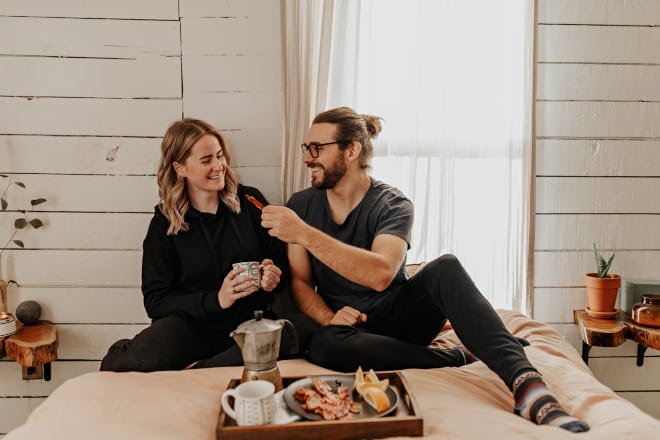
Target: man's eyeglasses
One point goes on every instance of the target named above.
(313, 148)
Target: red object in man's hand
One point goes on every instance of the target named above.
(254, 201)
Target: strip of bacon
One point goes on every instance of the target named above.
(321, 399)
(254, 201)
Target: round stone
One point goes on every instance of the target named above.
(28, 312)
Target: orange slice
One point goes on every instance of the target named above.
(359, 379)
(376, 398)
(371, 376)
(381, 385)
(369, 380)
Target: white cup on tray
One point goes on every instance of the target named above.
(254, 403)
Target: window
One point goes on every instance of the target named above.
(452, 80)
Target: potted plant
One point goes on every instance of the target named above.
(602, 288)
(7, 320)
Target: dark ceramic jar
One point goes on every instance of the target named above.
(647, 312)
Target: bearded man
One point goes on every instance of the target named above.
(347, 238)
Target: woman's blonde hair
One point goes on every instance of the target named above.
(175, 147)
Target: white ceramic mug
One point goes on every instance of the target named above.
(254, 403)
(252, 269)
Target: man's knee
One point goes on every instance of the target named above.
(444, 263)
(333, 347)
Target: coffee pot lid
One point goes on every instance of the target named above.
(259, 324)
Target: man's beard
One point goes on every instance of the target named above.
(331, 175)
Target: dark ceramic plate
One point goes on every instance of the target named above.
(366, 411)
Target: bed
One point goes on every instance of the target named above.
(456, 403)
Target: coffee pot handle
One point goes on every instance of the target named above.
(290, 335)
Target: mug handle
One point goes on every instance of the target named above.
(225, 402)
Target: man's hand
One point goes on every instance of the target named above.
(282, 223)
(348, 316)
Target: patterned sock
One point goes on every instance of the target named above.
(535, 402)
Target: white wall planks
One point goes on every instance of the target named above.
(61, 371)
(263, 178)
(598, 167)
(15, 408)
(646, 401)
(25, 396)
(236, 110)
(92, 117)
(578, 232)
(557, 304)
(567, 269)
(230, 8)
(608, 373)
(63, 37)
(226, 38)
(64, 268)
(87, 193)
(261, 73)
(597, 157)
(144, 77)
(614, 12)
(577, 81)
(130, 9)
(80, 230)
(596, 195)
(599, 44)
(79, 155)
(91, 342)
(85, 305)
(255, 147)
(598, 119)
(84, 104)
(230, 36)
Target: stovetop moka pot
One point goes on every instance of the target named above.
(259, 340)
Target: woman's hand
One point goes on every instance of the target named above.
(234, 287)
(270, 275)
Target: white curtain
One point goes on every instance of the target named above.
(453, 81)
(312, 35)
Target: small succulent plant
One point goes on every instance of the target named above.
(20, 222)
(602, 266)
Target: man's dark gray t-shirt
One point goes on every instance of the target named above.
(383, 210)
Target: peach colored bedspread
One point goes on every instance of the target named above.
(456, 403)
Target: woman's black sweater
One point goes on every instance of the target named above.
(182, 273)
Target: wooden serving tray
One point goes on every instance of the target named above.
(406, 420)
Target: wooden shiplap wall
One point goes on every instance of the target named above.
(87, 89)
(598, 167)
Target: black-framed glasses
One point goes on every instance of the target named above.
(313, 148)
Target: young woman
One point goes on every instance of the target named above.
(205, 222)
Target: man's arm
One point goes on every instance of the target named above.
(302, 287)
(374, 268)
(309, 301)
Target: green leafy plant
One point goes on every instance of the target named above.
(21, 222)
(602, 266)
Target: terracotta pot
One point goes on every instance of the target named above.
(602, 292)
